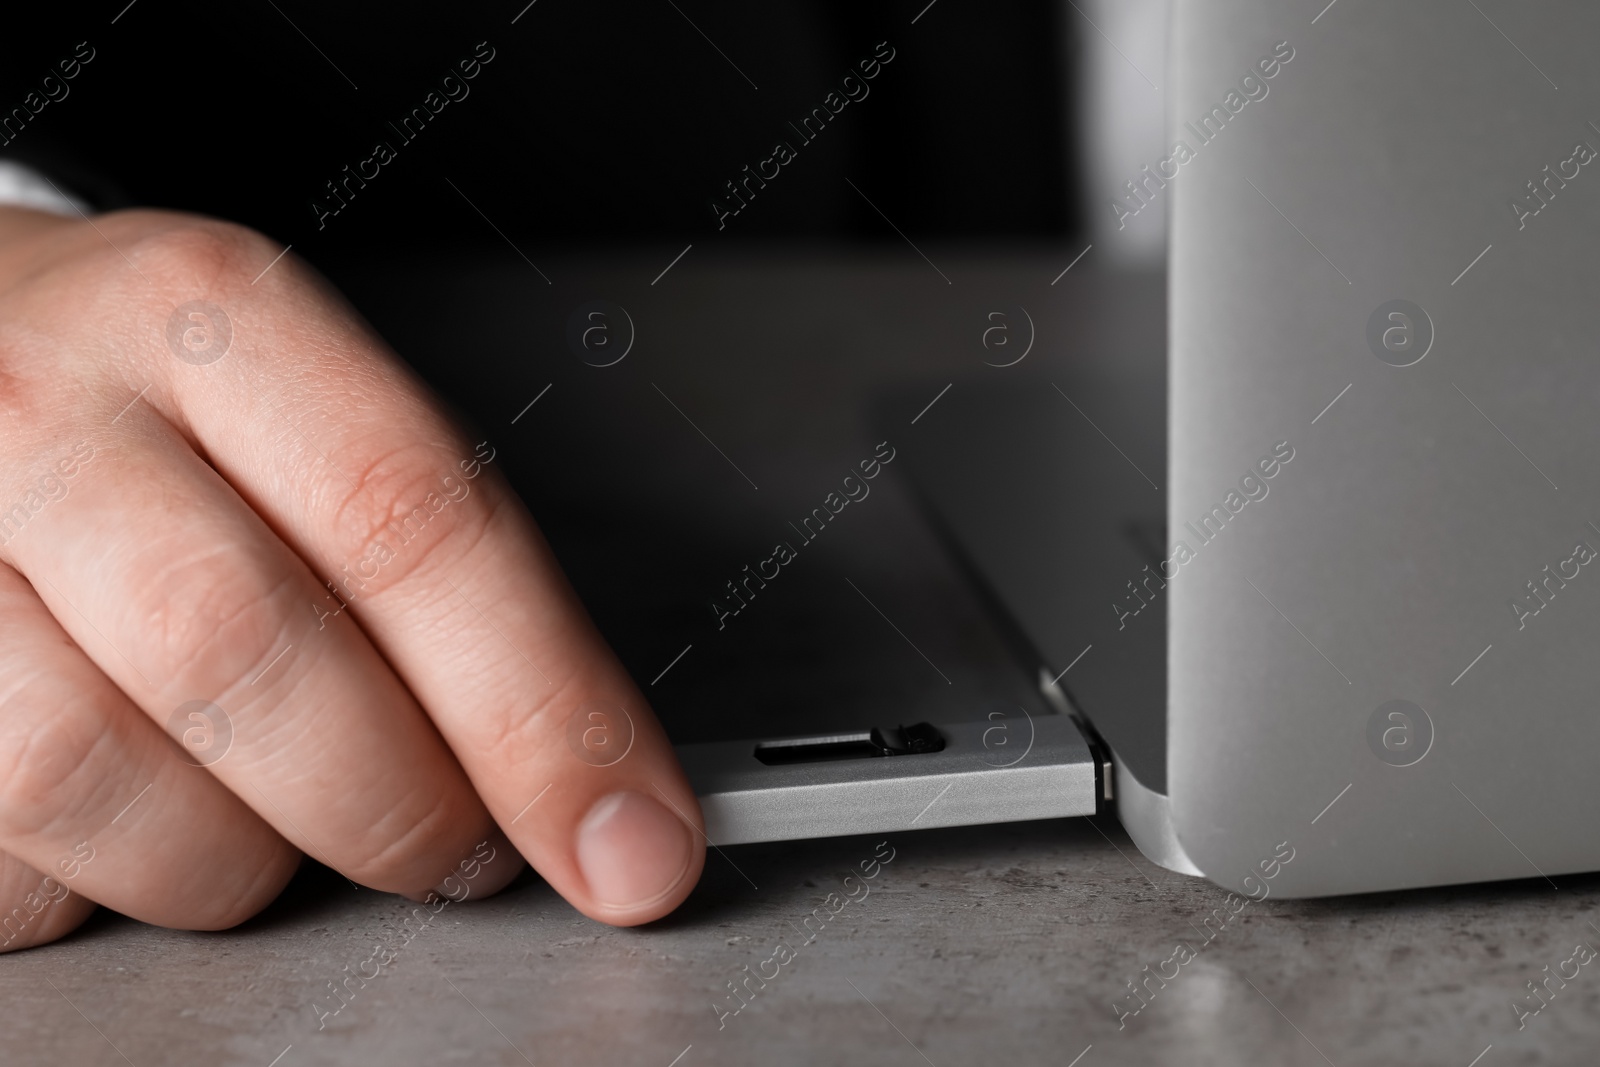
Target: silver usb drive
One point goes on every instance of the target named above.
(907, 778)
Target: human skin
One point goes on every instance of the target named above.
(187, 559)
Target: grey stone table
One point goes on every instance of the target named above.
(974, 946)
(984, 945)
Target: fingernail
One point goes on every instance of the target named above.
(632, 850)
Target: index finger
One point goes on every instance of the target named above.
(333, 441)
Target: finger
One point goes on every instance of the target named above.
(37, 909)
(187, 600)
(325, 434)
(96, 795)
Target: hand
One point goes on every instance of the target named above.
(229, 515)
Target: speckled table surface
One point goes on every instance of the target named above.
(1005, 944)
(980, 945)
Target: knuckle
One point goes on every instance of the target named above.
(407, 851)
(18, 932)
(190, 254)
(407, 510)
(38, 912)
(527, 732)
(240, 893)
(51, 757)
(27, 361)
(210, 619)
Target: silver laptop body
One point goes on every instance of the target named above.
(1318, 575)
(1390, 268)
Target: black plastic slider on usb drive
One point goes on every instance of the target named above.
(917, 739)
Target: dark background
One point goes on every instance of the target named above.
(596, 122)
(594, 141)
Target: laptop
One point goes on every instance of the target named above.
(1313, 583)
